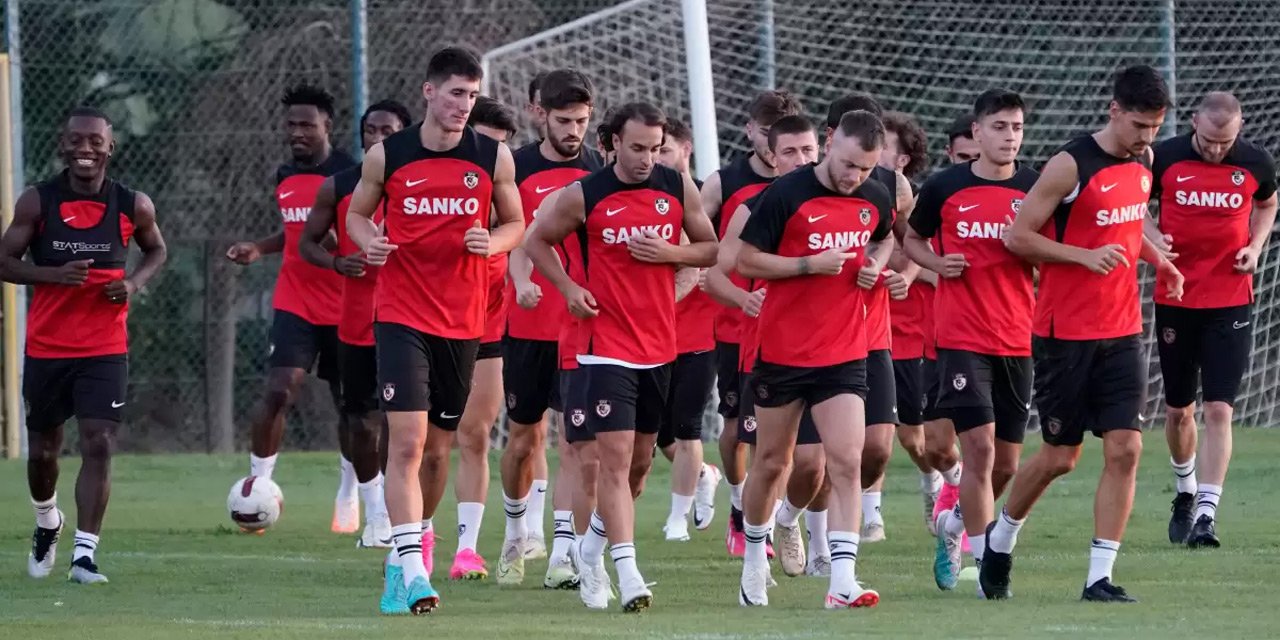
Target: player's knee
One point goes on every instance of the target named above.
(1061, 460)
(1002, 470)
(96, 442)
(1180, 416)
(771, 462)
(43, 451)
(1124, 456)
(1218, 415)
(978, 456)
(938, 456)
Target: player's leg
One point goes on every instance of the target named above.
(346, 503)
(744, 440)
(472, 482)
(939, 443)
(47, 390)
(359, 371)
(535, 516)
(691, 384)
(99, 389)
(294, 348)
(815, 522)
(529, 376)
(733, 454)
(802, 485)
(908, 382)
(561, 573)
(1178, 338)
(877, 447)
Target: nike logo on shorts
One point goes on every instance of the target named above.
(1239, 325)
(117, 405)
(445, 416)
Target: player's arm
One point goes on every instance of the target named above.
(1264, 218)
(316, 233)
(506, 203)
(146, 233)
(364, 202)
(245, 253)
(701, 249)
(762, 234)
(719, 286)
(554, 225)
(686, 280)
(924, 223)
(710, 195)
(1024, 239)
(17, 239)
(520, 267)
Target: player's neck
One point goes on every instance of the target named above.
(761, 167)
(991, 171)
(319, 159)
(622, 176)
(823, 175)
(550, 153)
(435, 138)
(89, 187)
(1107, 140)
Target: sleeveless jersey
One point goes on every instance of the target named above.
(303, 289)
(738, 183)
(696, 315)
(355, 325)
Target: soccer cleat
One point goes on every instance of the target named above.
(855, 598)
(930, 499)
(346, 515)
(635, 597)
(791, 548)
(735, 541)
(421, 597)
(429, 550)
(468, 565)
(85, 571)
(768, 546)
(753, 589)
(872, 532)
(511, 563)
(1204, 534)
(704, 496)
(593, 581)
(993, 574)
(376, 534)
(561, 574)
(535, 548)
(1104, 591)
(946, 501)
(393, 601)
(946, 555)
(44, 549)
(818, 566)
(677, 531)
(1180, 522)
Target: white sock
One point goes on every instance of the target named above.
(816, 523)
(952, 476)
(536, 515)
(756, 535)
(788, 514)
(428, 526)
(735, 495)
(680, 506)
(977, 544)
(262, 467)
(931, 482)
(1102, 556)
(594, 541)
(624, 562)
(1004, 535)
(871, 508)
(86, 544)
(955, 523)
(844, 559)
(47, 512)
(407, 550)
(563, 534)
(375, 506)
(1185, 474)
(1207, 498)
(347, 481)
(516, 509)
(469, 516)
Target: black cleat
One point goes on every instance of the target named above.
(1204, 534)
(1104, 591)
(993, 575)
(1180, 521)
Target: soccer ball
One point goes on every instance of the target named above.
(254, 503)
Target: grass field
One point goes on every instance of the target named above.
(178, 570)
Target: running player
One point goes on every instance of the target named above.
(1090, 372)
(358, 362)
(723, 191)
(307, 299)
(961, 147)
(1207, 184)
(812, 336)
(533, 325)
(984, 348)
(77, 226)
(626, 218)
(441, 180)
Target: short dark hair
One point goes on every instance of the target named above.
(564, 87)
(993, 101)
(535, 84)
(493, 113)
(771, 105)
(912, 140)
(852, 102)
(961, 127)
(604, 134)
(453, 61)
(678, 130)
(1140, 88)
(648, 114)
(393, 107)
(310, 95)
(865, 126)
(789, 125)
(85, 111)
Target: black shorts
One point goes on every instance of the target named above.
(625, 399)
(55, 389)
(882, 396)
(298, 344)
(908, 385)
(929, 374)
(421, 372)
(529, 374)
(573, 389)
(728, 379)
(489, 350)
(1207, 348)
(774, 385)
(359, 378)
(691, 380)
(807, 433)
(1088, 385)
(978, 389)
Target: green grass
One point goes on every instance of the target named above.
(178, 571)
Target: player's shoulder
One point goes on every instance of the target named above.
(591, 159)
(1173, 147)
(338, 160)
(1249, 155)
(949, 179)
(526, 153)
(884, 176)
(1025, 177)
(877, 192)
(667, 179)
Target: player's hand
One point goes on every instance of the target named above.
(244, 253)
(754, 303)
(351, 266)
(897, 284)
(1174, 279)
(1006, 231)
(650, 247)
(953, 265)
(581, 303)
(378, 250)
(73, 274)
(1164, 244)
(528, 295)
(831, 261)
(477, 239)
(119, 291)
(1247, 260)
(1105, 258)
(869, 274)
(702, 280)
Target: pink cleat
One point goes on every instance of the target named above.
(428, 550)
(947, 499)
(735, 541)
(468, 565)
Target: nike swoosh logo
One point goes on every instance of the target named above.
(964, 209)
(813, 219)
(1108, 187)
(697, 522)
(1184, 178)
(1239, 325)
(611, 212)
(541, 190)
(541, 490)
(446, 416)
(69, 219)
(286, 194)
(413, 183)
(117, 405)
(385, 540)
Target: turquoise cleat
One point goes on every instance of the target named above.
(393, 602)
(421, 597)
(946, 557)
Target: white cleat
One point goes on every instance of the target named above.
(561, 574)
(704, 496)
(930, 499)
(753, 591)
(855, 598)
(535, 548)
(818, 566)
(677, 531)
(44, 549)
(872, 532)
(85, 571)
(790, 546)
(593, 581)
(376, 535)
(346, 515)
(511, 563)
(635, 597)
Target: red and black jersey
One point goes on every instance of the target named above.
(1107, 206)
(816, 320)
(910, 321)
(696, 317)
(303, 289)
(738, 183)
(988, 309)
(1206, 207)
(637, 300)
(879, 331)
(79, 322)
(355, 326)
(537, 177)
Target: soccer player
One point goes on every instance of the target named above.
(307, 299)
(627, 218)
(961, 147)
(1090, 371)
(358, 362)
(535, 318)
(984, 347)
(77, 226)
(1217, 197)
(813, 343)
(723, 191)
(441, 180)
(533, 109)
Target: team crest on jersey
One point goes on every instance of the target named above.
(511, 400)
(578, 417)
(1169, 335)
(865, 215)
(749, 424)
(603, 409)
(1016, 204)
(731, 398)
(1054, 426)
(388, 392)
(1146, 184)
(662, 206)
(470, 179)
(959, 382)
(1237, 177)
